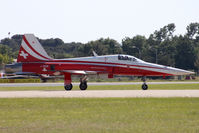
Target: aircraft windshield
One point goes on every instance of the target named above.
(125, 57)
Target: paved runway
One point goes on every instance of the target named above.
(89, 83)
(99, 94)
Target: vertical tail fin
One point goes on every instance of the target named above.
(31, 50)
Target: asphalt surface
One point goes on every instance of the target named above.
(89, 83)
(96, 93)
(99, 94)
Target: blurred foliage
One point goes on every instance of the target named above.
(6, 54)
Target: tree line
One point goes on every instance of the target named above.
(162, 47)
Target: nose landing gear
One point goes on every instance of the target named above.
(144, 85)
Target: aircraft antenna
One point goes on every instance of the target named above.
(94, 53)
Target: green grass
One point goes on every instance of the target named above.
(113, 87)
(102, 115)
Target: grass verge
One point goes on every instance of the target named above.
(90, 115)
(112, 87)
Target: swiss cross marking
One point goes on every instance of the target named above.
(23, 54)
(44, 69)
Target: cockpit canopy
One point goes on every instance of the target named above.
(128, 58)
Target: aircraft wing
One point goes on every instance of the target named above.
(81, 72)
(19, 77)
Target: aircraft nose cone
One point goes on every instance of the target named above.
(177, 71)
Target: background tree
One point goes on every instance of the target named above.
(5, 54)
(196, 63)
(193, 30)
(134, 46)
(101, 47)
(161, 46)
(185, 53)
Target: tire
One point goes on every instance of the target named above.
(83, 86)
(144, 86)
(68, 87)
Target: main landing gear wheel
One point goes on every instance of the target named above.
(68, 87)
(83, 86)
(144, 86)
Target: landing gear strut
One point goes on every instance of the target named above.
(144, 85)
(83, 83)
(67, 82)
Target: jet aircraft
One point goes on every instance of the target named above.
(33, 59)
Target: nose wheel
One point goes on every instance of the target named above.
(144, 85)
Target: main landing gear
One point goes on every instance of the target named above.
(144, 85)
(83, 83)
(68, 85)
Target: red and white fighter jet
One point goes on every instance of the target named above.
(33, 59)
